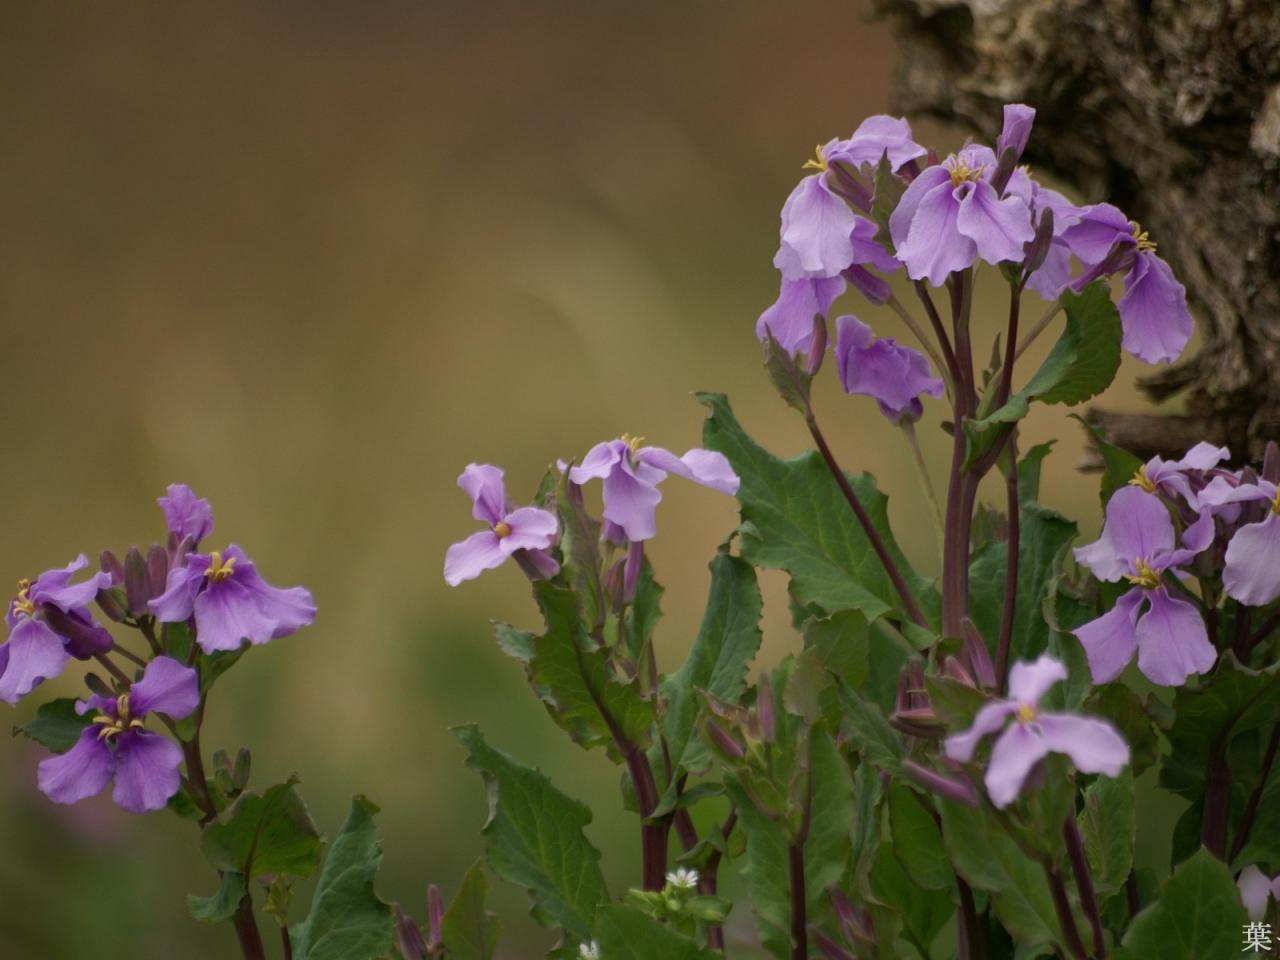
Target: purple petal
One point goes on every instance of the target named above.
(81, 772)
(1172, 641)
(183, 583)
(961, 746)
(631, 498)
(1222, 491)
(166, 687)
(790, 318)
(893, 374)
(1018, 118)
(1255, 890)
(1109, 641)
(1093, 745)
(1138, 525)
(531, 529)
(467, 560)
(55, 586)
(904, 214)
(187, 514)
(600, 461)
(1028, 681)
(934, 247)
(999, 228)
(291, 608)
(1054, 275)
(483, 484)
(1096, 231)
(867, 249)
(1204, 456)
(146, 771)
(816, 229)
(227, 614)
(35, 654)
(875, 137)
(1153, 311)
(707, 467)
(1013, 756)
(1252, 573)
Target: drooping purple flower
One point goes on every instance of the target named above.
(791, 318)
(817, 225)
(118, 745)
(49, 623)
(1137, 544)
(1093, 745)
(1251, 574)
(1153, 309)
(951, 216)
(230, 601)
(511, 529)
(187, 514)
(631, 474)
(1256, 888)
(876, 137)
(1180, 478)
(894, 375)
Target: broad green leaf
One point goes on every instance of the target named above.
(271, 833)
(879, 743)
(767, 871)
(884, 200)
(534, 838)
(1029, 471)
(580, 547)
(924, 912)
(795, 518)
(643, 615)
(223, 904)
(625, 933)
(917, 840)
(1263, 843)
(348, 921)
(1108, 824)
(56, 725)
(829, 844)
(469, 931)
(1198, 916)
(866, 819)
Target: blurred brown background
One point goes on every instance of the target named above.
(313, 258)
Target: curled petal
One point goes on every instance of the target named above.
(166, 687)
(226, 615)
(1018, 118)
(875, 137)
(83, 771)
(961, 746)
(1252, 574)
(999, 228)
(868, 250)
(484, 485)
(1172, 641)
(1097, 229)
(816, 230)
(791, 317)
(532, 528)
(707, 467)
(600, 461)
(1255, 890)
(1013, 756)
(1093, 745)
(1110, 640)
(934, 247)
(186, 514)
(178, 600)
(467, 560)
(904, 214)
(1029, 681)
(631, 498)
(34, 654)
(55, 586)
(1153, 311)
(146, 771)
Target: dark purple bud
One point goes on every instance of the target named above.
(613, 584)
(1118, 260)
(111, 603)
(723, 741)
(918, 722)
(84, 637)
(1271, 463)
(953, 668)
(817, 346)
(1018, 118)
(911, 686)
(99, 686)
(830, 949)
(875, 289)
(1038, 248)
(955, 789)
(765, 712)
(111, 564)
(975, 649)
(435, 912)
(847, 184)
(137, 586)
(634, 567)
(409, 939)
(157, 569)
(536, 564)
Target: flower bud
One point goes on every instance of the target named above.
(408, 936)
(957, 790)
(1038, 248)
(632, 570)
(830, 949)
(157, 569)
(111, 602)
(1271, 463)
(435, 914)
(875, 289)
(111, 564)
(955, 670)
(137, 586)
(844, 182)
(724, 742)
(975, 649)
(765, 712)
(84, 637)
(817, 347)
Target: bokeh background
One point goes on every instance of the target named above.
(313, 258)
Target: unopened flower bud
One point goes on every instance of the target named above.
(847, 184)
(1038, 248)
(409, 939)
(111, 564)
(975, 649)
(952, 788)
(157, 569)
(84, 637)
(955, 670)
(817, 346)
(830, 949)
(724, 742)
(137, 586)
(1271, 463)
(632, 570)
(435, 913)
(875, 289)
(765, 713)
(111, 602)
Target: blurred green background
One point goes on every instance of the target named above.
(313, 258)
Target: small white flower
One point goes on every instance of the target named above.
(683, 879)
(589, 951)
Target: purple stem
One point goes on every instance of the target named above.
(1251, 809)
(1217, 799)
(1062, 904)
(1084, 883)
(1005, 642)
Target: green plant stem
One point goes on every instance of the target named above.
(926, 483)
(1084, 883)
(247, 934)
(939, 331)
(113, 669)
(1217, 799)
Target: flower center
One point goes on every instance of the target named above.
(502, 529)
(123, 721)
(1146, 578)
(1027, 713)
(1145, 243)
(1140, 479)
(1275, 504)
(960, 170)
(819, 162)
(632, 441)
(220, 569)
(22, 603)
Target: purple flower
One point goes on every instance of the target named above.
(631, 475)
(817, 225)
(1137, 543)
(1251, 574)
(230, 601)
(1153, 310)
(1093, 745)
(510, 530)
(35, 651)
(951, 216)
(1256, 888)
(1180, 478)
(895, 375)
(876, 137)
(144, 764)
(1018, 118)
(791, 318)
(187, 514)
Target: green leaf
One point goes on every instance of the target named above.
(795, 518)
(831, 807)
(271, 833)
(348, 921)
(1029, 471)
(924, 912)
(1263, 843)
(789, 378)
(884, 200)
(879, 743)
(470, 932)
(643, 614)
(534, 838)
(223, 904)
(766, 870)
(917, 840)
(866, 819)
(1198, 915)
(56, 725)
(1108, 824)
(625, 933)
(580, 547)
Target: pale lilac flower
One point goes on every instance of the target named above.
(117, 745)
(894, 375)
(631, 474)
(799, 304)
(1018, 119)
(35, 651)
(1256, 888)
(876, 137)
(1137, 544)
(187, 515)
(511, 529)
(1251, 574)
(231, 602)
(1180, 478)
(1153, 310)
(1093, 745)
(817, 224)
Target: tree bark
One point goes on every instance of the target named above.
(1169, 109)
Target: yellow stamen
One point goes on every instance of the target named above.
(1146, 578)
(502, 529)
(1145, 243)
(22, 603)
(1140, 479)
(1027, 713)
(220, 569)
(120, 723)
(819, 162)
(633, 442)
(1275, 505)
(961, 172)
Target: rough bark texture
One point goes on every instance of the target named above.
(1171, 110)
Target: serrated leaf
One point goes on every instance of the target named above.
(879, 743)
(534, 838)
(766, 870)
(348, 920)
(56, 725)
(831, 807)
(469, 931)
(625, 933)
(271, 833)
(795, 518)
(917, 840)
(1108, 824)
(924, 912)
(223, 904)
(1198, 915)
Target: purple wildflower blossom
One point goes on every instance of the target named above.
(1018, 119)
(1093, 745)
(791, 318)
(117, 745)
(1137, 544)
(876, 137)
(230, 601)
(1153, 310)
(1180, 478)
(894, 375)
(631, 474)
(35, 651)
(1251, 574)
(1256, 888)
(530, 529)
(187, 514)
